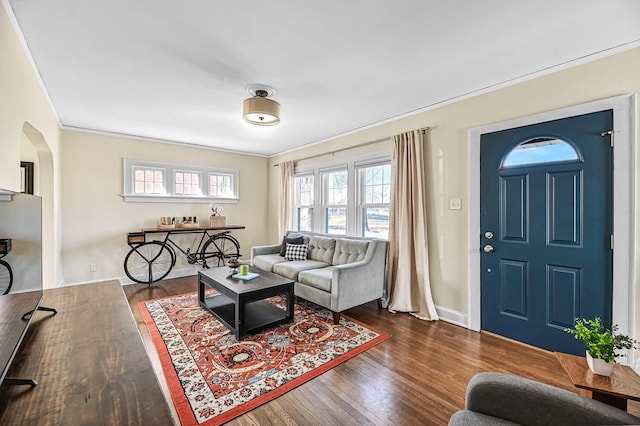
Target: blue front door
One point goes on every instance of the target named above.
(546, 226)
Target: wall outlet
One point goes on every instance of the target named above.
(455, 204)
(93, 267)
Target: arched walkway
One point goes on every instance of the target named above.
(50, 256)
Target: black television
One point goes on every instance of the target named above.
(21, 229)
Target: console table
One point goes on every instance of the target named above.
(90, 363)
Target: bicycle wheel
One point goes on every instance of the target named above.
(218, 250)
(6, 277)
(149, 262)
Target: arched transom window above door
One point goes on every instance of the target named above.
(542, 150)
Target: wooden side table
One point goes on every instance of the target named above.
(615, 390)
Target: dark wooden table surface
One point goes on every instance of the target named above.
(622, 385)
(90, 364)
(12, 326)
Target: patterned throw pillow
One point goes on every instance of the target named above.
(296, 251)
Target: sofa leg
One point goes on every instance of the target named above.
(379, 303)
(336, 318)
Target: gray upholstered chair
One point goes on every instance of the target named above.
(502, 399)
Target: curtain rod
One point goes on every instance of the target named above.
(423, 130)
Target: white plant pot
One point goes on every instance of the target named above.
(599, 366)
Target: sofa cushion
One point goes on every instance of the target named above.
(322, 249)
(318, 278)
(349, 251)
(292, 268)
(296, 251)
(266, 261)
(290, 240)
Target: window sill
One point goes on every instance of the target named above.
(171, 199)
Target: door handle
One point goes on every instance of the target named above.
(488, 248)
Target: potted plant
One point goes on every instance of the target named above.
(602, 344)
(217, 220)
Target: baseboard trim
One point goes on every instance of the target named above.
(452, 316)
(175, 273)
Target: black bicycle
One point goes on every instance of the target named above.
(151, 261)
(6, 274)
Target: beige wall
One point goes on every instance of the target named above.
(96, 219)
(447, 153)
(25, 106)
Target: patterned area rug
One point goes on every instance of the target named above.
(213, 377)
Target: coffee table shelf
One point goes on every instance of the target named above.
(261, 314)
(222, 307)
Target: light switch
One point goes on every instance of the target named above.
(455, 204)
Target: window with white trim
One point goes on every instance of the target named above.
(150, 181)
(221, 185)
(335, 197)
(374, 182)
(348, 197)
(304, 202)
(187, 183)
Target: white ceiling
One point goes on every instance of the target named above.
(177, 70)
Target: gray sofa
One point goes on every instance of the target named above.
(502, 399)
(339, 272)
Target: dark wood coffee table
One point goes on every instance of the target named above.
(622, 385)
(241, 305)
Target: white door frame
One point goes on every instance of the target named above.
(624, 176)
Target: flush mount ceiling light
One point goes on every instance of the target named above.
(260, 110)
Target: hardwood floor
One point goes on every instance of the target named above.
(417, 377)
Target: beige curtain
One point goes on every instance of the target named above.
(408, 279)
(286, 197)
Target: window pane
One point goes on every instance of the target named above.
(220, 186)
(377, 184)
(186, 177)
(178, 177)
(540, 150)
(337, 187)
(305, 219)
(375, 222)
(336, 220)
(148, 181)
(304, 190)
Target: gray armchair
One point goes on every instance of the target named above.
(502, 399)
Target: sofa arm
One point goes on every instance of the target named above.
(260, 250)
(356, 283)
(528, 402)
